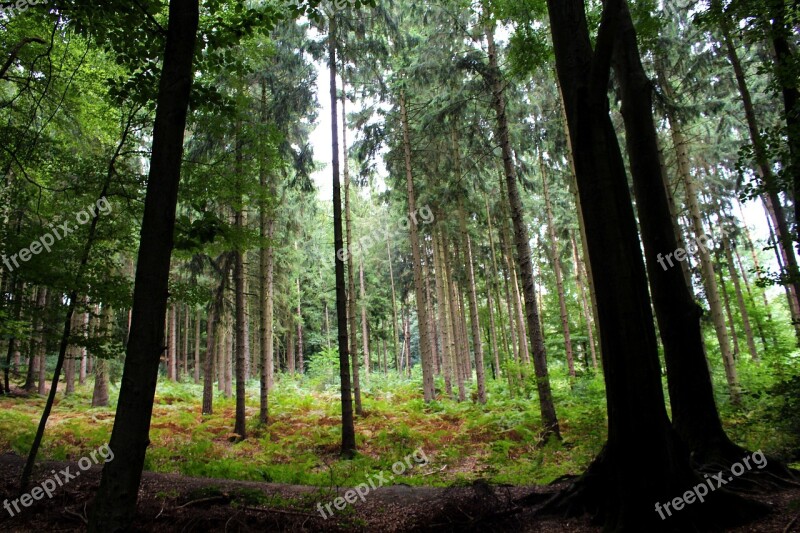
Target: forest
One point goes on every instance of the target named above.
(390, 265)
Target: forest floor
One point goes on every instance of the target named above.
(170, 502)
(477, 459)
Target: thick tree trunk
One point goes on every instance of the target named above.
(419, 282)
(115, 504)
(694, 412)
(348, 429)
(639, 429)
(546, 405)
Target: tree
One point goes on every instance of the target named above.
(348, 449)
(115, 503)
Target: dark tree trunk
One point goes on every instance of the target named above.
(694, 411)
(115, 504)
(639, 429)
(348, 428)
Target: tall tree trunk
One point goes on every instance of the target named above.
(493, 276)
(100, 392)
(84, 352)
(197, 324)
(694, 412)
(562, 301)
(208, 363)
(587, 316)
(782, 33)
(240, 424)
(115, 504)
(351, 285)
(419, 289)
(37, 346)
(173, 343)
(186, 340)
(439, 282)
(477, 344)
(300, 363)
(364, 325)
(771, 197)
(748, 330)
(546, 405)
(395, 342)
(452, 325)
(348, 429)
(639, 429)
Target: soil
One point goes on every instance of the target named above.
(169, 502)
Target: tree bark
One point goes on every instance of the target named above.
(546, 405)
(115, 504)
(348, 449)
(562, 301)
(351, 285)
(419, 289)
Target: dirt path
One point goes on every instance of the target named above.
(169, 502)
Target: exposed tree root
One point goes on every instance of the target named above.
(621, 509)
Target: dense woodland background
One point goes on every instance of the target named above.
(489, 277)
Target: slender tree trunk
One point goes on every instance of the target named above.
(771, 197)
(173, 343)
(37, 346)
(100, 392)
(240, 424)
(748, 330)
(300, 362)
(439, 282)
(419, 282)
(546, 405)
(562, 301)
(707, 266)
(348, 429)
(364, 325)
(395, 341)
(197, 325)
(455, 348)
(588, 317)
(351, 285)
(208, 363)
(477, 344)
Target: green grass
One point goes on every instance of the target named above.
(500, 441)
